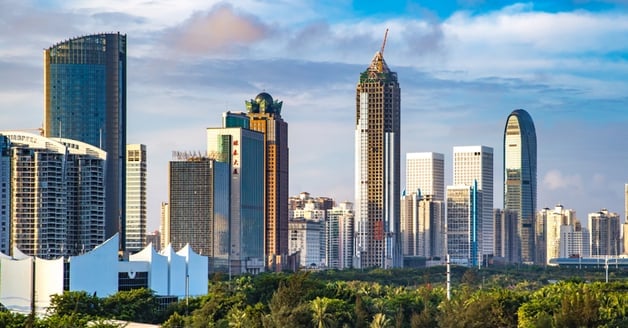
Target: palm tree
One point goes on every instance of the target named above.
(320, 317)
(380, 321)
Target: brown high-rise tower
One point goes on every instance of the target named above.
(265, 116)
(377, 166)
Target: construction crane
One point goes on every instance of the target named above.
(384, 43)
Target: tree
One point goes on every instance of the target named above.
(320, 316)
(380, 321)
(134, 305)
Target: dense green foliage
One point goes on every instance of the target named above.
(495, 297)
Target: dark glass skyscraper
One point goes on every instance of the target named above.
(377, 166)
(85, 100)
(520, 178)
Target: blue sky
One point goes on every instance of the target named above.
(463, 67)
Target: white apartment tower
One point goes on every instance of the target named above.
(339, 231)
(5, 195)
(426, 171)
(475, 163)
(135, 197)
(553, 220)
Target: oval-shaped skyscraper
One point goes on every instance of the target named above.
(520, 184)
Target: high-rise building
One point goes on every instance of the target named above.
(475, 163)
(135, 197)
(305, 240)
(265, 117)
(243, 151)
(520, 178)
(57, 195)
(462, 227)
(422, 226)
(339, 236)
(426, 171)
(85, 100)
(5, 195)
(198, 207)
(377, 166)
(605, 229)
(574, 241)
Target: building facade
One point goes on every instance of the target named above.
(475, 163)
(5, 195)
(57, 195)
(243, 152)
(135, 236)
(198, 208)
(554, 219)
(85, 100)
(306, 239)
(426, 172)
(520, 179)
(265, 117)
(377, 166)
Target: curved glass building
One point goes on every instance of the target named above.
(85, 100)
(520, 181)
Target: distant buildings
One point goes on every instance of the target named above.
(604, 227)
(422, 226)
(339, 232)
(56, 194)
(135, 197)
(377, 166)
(85, 100)
(462, 229)
(426, 172)
(506, 236)
(520, 180)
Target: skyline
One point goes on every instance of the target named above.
(462, 69)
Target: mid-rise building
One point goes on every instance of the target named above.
(265, 117)
(574, 242)
(426, 172)
(198, 209)
(506, 236)
(154, 238)
(339, 230)
(306, 238)
(422, 226)
(377, 166)
(85, 100)
(605, 233)
(475, 163)
(520, 179)
(135, 197)
(554, 219)
(57, 190)
(462, 227)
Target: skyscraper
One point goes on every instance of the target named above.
(475, 163)
(85, 100)
(426, 171)
(265, 117)
(135, 197)
(462, 226)
(243, 151)
(339, 236)
(520, 178)
(377, 166)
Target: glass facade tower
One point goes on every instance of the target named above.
(85, 100)
(520, 178)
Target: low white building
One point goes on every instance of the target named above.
(23, 278)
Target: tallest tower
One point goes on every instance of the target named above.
(85, 100)
(377, 166)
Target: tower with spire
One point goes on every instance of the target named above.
(377, 166)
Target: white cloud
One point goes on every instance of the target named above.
(555, 180)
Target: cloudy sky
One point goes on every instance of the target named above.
(463, 66)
